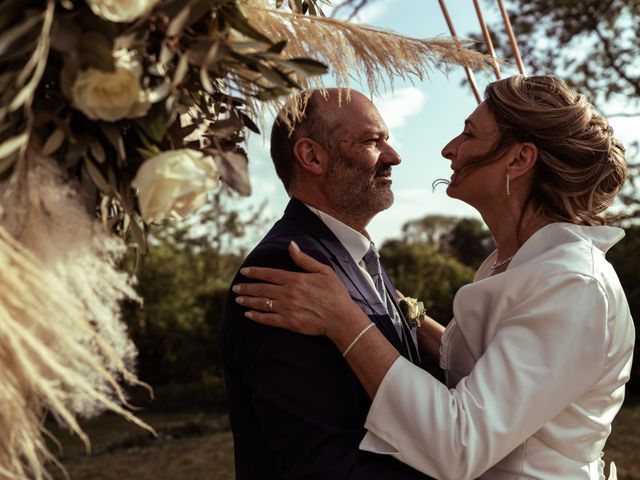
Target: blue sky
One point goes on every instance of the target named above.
(422, 117)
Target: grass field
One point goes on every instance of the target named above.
(200, 447)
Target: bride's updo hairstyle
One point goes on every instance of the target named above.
(581, 166)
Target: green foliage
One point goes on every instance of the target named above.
(625, 258)
(183, 281)
(466, 239)
(470, 242)
(419, 270)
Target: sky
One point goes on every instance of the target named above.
(421, 116)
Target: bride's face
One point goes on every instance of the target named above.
(482, 182)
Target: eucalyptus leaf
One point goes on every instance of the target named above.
(179, 22)
(306, 66)
(6, 164)
(180, 71)
(96, 176)
(114, 136)
(138, 236)
(13, 34)
(234, 17)
(154, 124)
(160, 91)
(97, 150)
(249, 123)
(54, 142)
(13, 144)
(234, 170)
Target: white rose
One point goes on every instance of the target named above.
(175, 183)
(121, 10)
(113, 95)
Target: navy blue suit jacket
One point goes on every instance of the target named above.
(296, 409)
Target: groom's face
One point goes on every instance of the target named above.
(358, 178)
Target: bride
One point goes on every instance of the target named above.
(541, 342)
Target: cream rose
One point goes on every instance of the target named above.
(121, 10)
(174, 184)
(113, 95)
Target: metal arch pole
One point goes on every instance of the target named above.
(512, 38)
(470, 77)
(487, 40)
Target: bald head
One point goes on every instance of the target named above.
(323, 116)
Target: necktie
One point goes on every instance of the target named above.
(371, 262)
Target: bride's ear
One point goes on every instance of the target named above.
(523, 159)
(311, 156)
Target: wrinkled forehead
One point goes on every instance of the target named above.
(357, 114)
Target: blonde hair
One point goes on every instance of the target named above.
(581, 166)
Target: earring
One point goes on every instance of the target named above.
(508, 188)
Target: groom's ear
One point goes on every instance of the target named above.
(312, 157)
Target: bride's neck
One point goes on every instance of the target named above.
(511, 229)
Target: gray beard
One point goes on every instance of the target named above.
(353, 198)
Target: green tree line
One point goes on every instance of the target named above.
(185, 276)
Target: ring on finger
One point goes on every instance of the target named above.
(269, 305)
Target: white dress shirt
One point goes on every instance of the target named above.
(536, 360)
(357, 245)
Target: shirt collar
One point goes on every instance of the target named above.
(353, 241)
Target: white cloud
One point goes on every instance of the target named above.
(397, 107)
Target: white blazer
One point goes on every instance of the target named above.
(536, 360)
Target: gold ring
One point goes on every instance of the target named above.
(269, 305)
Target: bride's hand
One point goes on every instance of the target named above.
(312, 303)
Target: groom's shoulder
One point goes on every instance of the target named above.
(273, 249)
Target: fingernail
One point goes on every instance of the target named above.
(236, 288)
(240, 300)
(295, 246)
(244, 271)
(248, 314)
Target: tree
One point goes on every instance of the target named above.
(418, 270)
(183, 281)
(466, 239)
(625, 258)
(470, 242)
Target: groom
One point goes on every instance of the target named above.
(296, 409)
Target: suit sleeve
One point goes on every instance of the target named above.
(547, 353)
(309, 404)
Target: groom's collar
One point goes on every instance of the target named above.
(353, 241)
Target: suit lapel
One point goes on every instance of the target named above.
(347, 270)
(409, 332)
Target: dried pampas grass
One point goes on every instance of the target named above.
(367, 54)
(370, 54)
(63, 348)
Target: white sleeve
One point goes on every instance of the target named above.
(545, 354)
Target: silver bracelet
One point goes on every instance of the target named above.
(358, 337)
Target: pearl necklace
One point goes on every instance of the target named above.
(496, 265)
